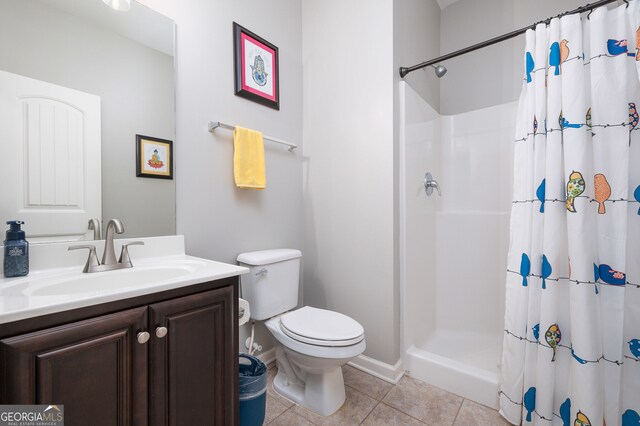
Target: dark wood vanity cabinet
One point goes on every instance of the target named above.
(92, 366)
(105, 372)
(192, 368)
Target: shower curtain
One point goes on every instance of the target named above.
(572, 322)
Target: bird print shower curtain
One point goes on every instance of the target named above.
(571, 353)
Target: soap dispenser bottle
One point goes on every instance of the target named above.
(16, 251)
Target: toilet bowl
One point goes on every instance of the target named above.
(312, 344)
(310, 361)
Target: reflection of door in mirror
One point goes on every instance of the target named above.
(127, 60)
(51, 150)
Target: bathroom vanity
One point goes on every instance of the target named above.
(161, 351)
(154, 344)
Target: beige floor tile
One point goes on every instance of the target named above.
(365, 383)
(271, 392)
(403, 405)
(424, 402)
(353, 411)
(274, 409)
(472, 413)
(383, 415)
(289, 418)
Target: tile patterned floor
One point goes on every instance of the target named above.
(374, 402)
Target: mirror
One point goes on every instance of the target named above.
(123, 63)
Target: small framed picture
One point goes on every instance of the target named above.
(256, 68)
(154, 157)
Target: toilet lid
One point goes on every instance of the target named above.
(321, 327)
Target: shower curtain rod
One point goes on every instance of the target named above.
(404, 70)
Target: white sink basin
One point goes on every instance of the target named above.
(60, 283)
(113, 280)
(55, 290)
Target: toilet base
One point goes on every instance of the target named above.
(322, 393)
(311, 375)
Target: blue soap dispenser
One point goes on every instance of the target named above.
(16, 251)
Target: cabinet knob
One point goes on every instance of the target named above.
(143, 337)
(161, 332)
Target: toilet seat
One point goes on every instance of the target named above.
(315, 351)
(321, 327)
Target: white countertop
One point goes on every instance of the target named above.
(159, 265)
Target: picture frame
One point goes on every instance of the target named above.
(257, 71)
(154, 157)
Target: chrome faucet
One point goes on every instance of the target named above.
(109, 262)
(109, 255)
(94, 225)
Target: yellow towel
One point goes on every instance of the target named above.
(248, 159)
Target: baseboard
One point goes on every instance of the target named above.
(388, 373)
(268, 356)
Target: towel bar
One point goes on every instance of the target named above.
(215, 124)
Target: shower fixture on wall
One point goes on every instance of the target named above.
(440, 70)
(429, 183)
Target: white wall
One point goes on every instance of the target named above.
(168, 8)
(348, 166)
(456, 244)
(218, 220)
(420, 151)
(493, 75)
(75, 53)
(416, 38)
(472, 219)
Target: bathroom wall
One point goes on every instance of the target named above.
(218, 220)
(168, 8)
(455, 245)
(420, 151)
(348, 166)
(492, 75)
(70, 58)
(470, 155)
(416, 38)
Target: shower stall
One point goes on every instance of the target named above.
(453, 246)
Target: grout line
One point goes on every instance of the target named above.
(458, 413)
(376, 379)
(369, 413)
(274, 401)
(360, 392)
(406, 414)
(303, 409)
(387, 392)
(278, 416)
(364, 393)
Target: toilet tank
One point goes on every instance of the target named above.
(271, 286)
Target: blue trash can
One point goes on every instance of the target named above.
(252, 390)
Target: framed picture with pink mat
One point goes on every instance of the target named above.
(256, 68)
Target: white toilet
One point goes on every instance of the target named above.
(312, 344)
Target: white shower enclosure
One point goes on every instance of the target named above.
(453, 248)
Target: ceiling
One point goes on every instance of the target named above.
(445, 3)
(140, 23)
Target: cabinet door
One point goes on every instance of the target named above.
(193, 369)
(96, 368)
